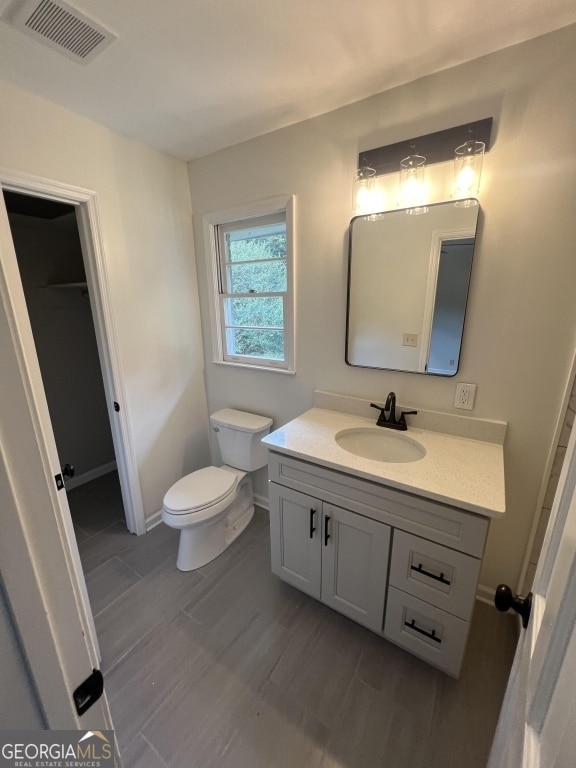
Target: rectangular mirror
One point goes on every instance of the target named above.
(408, 279)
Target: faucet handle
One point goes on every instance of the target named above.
(382, 416)
(403, 414)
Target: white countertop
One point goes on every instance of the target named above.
(463, 472)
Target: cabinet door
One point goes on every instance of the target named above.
(355, 553)
(295, 538)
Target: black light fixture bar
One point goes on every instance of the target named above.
(436, 147)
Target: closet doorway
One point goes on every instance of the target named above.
(60, 267)
(49, 254)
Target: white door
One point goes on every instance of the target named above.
(40, 562)
(537, 726)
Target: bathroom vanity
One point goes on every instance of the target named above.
(394, 545)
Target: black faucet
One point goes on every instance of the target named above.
(391, 422)
(390, 406)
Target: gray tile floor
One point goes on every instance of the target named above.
(229, 667)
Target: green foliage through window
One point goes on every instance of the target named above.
(254, 282)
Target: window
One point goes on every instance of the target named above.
(251, 253)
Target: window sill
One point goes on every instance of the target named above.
(251, 367)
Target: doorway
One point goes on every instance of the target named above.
(48, 250)
(66, 303)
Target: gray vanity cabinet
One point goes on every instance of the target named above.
(334, 555)
(402, 565)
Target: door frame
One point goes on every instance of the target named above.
(438, 236)
(88, 219)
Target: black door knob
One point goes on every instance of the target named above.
(504, 600)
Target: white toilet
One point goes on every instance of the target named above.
(212, 506)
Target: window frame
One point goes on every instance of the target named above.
(284, 205)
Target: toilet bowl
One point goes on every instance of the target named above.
(213, 506)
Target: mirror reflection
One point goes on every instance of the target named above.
(408, 279)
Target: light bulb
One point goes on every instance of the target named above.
(412, 189)
(365, 199)
(468, 168)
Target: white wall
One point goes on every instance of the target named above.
(520, 329)
(144, 205)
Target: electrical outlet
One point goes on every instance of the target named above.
(465, 394)
(409, 339)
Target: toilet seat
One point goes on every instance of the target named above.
(200, 490)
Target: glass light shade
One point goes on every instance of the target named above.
(412, 189)
(468, 160)
(364, 199)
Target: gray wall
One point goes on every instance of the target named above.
(521, 321)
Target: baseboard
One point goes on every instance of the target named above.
(261, 501)
(153, 520)
(92, 474)
(485, 594)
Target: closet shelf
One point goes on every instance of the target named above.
(81, 286)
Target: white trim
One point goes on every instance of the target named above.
(91, 474)
(485, 595)
(97, 279)
(262, 501)
(234, 364)
(531, 756)
(438, 236)
(280, 204)
(153, 520)
(548, 471)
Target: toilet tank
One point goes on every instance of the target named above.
(239, 434)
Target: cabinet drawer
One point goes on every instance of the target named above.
(434, 573)
(434, 635)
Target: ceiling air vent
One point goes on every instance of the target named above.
(61, 27)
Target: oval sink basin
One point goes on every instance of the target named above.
(380, 444)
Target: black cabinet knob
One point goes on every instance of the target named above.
(504, 600)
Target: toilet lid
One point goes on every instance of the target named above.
(199, 489)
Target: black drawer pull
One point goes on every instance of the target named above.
(326, 534)
(430, 575)
(312, 526)
(431, 635)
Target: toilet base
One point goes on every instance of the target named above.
(200, 544)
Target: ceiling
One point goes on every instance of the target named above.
(189, 77)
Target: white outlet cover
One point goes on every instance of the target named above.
(465, 395)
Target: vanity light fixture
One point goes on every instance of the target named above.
(364, 199)
(468, 158)
(412, 190)
(433, 148)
